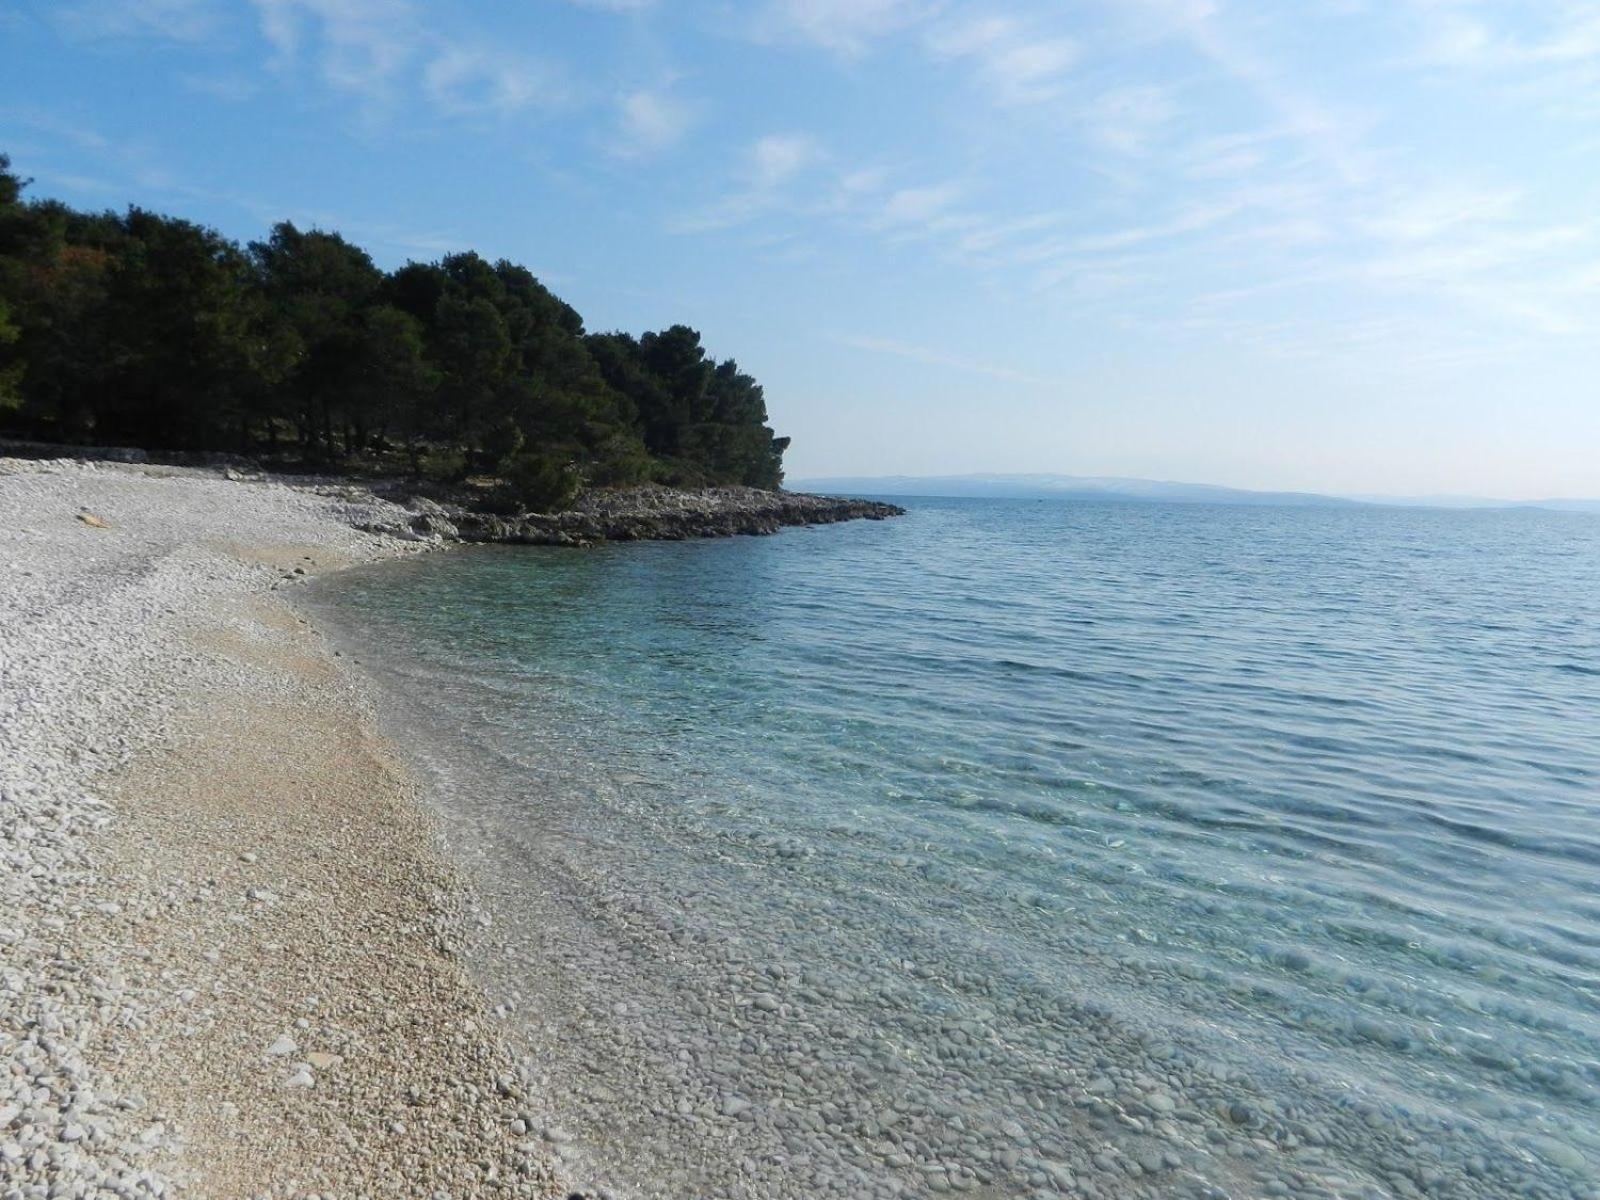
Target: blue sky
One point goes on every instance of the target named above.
(1327, 244)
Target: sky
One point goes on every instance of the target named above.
(1334, 245)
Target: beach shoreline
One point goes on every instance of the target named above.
(473, 513)
(231, 936)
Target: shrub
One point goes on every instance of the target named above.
(502, 442)
(444, 463)
(541, 482)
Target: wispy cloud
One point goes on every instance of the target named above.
(46, 122)
(847, 27)
(72, 181)
(939, 358)
(650, 121)
(1492, 261)
(1474, 36)
(1332, 133)
(1019, 64)
(1018, 61)
(360, 47)
(1228, 180)
(231, 89)
(779, 157)
(189, 21)
(382, 51)
(760, 183)
(1172, 164)
(462, 79)
(1128, 120)
(920, 205)
(1547, 54)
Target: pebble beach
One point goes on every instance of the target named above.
(228, 938)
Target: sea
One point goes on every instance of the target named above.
(1028, 848)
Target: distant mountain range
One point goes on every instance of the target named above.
(1150, 491)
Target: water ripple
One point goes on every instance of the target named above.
(1051, 834)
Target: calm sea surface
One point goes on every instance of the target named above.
(1032, 848)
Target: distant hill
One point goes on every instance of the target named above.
(1584, 506)
(1063, 487)
(1149, 491)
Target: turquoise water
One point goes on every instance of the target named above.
(1020, 848)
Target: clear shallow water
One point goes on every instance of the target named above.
(1034, 848)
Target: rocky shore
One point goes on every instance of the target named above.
(458, 514)
(645, 514)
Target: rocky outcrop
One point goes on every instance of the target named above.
(445, 513)
(647, 514)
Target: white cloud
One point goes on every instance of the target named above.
(1545, 54)
(1456, 36)
(761, 182)
(1456, 39)
(1019, 65)
(986, 237)
(175, 20)
(1193, 219)
(1127, 120)
(48, 122)
(940, 358)
(921, 205)
(650, 122)
(1223, 156)
(361, 46)
(1215, 178)
(1330, 133)
(231, 89)
(1428, 214)
(778, 157)
(464, 80)
(381, 51)
(846, 27)
(1017, 62)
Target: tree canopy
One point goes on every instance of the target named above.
(141, 329)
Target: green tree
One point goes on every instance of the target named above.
(10, 371)
(392, 384)
(676, 358)
(737, 443)
(16, 234)
(159, 332)
(65, 339)
(470, 348)
(182, 326)
(320, 287)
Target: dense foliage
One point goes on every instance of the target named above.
(145, 330)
